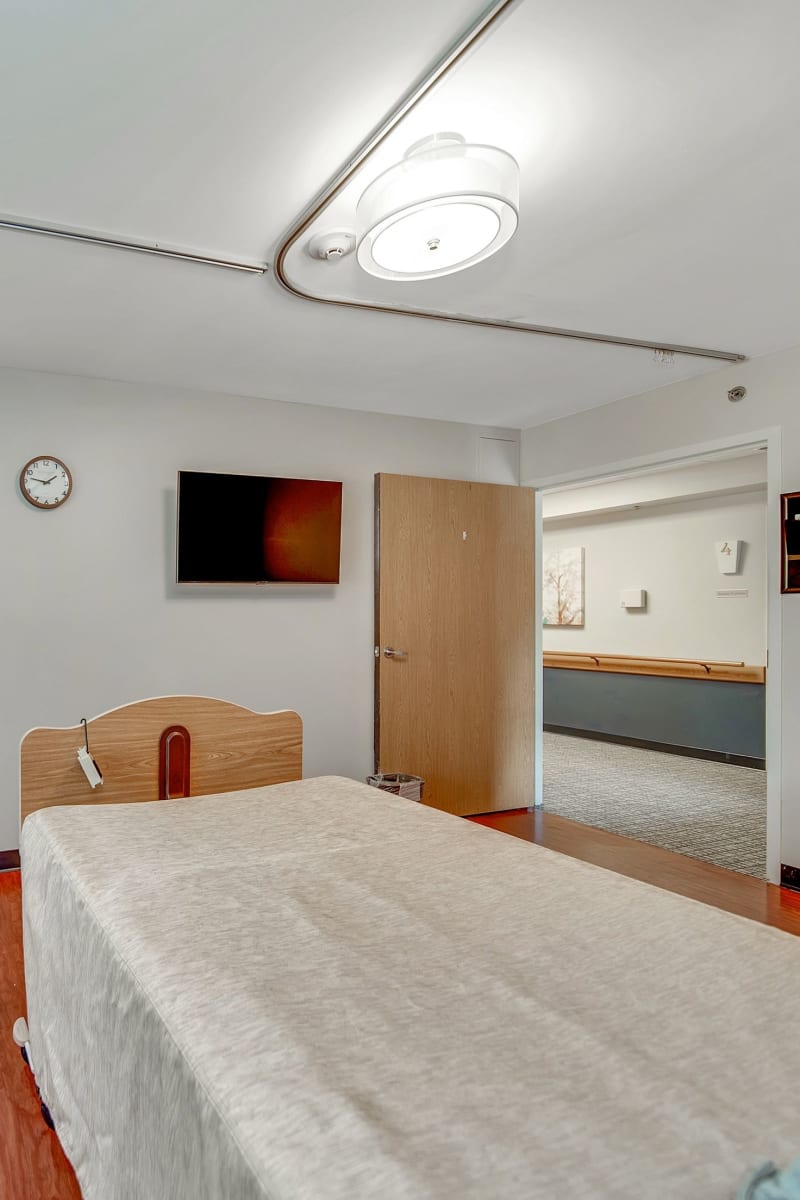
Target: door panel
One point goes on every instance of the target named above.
(454, 593)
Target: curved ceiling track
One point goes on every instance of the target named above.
(451, 58)
(493, 14)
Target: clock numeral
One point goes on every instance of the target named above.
(29, 471)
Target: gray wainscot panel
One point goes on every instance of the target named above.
(712, 715)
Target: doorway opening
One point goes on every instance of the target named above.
(654, 633)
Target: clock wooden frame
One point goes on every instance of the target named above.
(38, 503)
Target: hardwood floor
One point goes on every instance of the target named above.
(736, 893)
(32, 1163)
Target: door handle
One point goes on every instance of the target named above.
(390, 653)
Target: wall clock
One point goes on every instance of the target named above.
(45, 482)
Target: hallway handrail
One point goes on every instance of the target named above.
(632, 664)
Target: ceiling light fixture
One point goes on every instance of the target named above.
(664, 358)
(445, 207)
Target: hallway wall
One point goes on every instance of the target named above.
(670, 551)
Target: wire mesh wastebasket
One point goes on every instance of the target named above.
(410, 787)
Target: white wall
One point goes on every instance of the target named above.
(669, 550)
(91, 616)
(692, 414)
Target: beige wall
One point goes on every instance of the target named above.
(91, 615)
(668, 549)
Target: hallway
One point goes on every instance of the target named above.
(708, 810)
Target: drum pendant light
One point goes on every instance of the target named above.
(445, 207)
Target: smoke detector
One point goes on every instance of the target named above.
(330, 247)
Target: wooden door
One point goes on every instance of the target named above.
(455, 605)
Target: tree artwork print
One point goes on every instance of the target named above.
(562, 576)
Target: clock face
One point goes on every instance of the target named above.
(45, 482)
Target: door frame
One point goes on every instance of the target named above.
(684, 456)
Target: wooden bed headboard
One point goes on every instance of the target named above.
(231, 748)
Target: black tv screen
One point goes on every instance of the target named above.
(257, 529)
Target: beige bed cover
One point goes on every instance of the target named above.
(318, 991)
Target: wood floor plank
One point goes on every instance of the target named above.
(32, 1164)
(730, 890)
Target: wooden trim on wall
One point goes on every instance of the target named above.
(9, 860)
(676, 668)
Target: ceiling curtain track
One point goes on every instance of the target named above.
(493, 14)
(19, 225)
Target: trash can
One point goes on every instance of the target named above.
(410, 787)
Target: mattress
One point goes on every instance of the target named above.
(318, 991)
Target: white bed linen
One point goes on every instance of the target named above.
(317, 991)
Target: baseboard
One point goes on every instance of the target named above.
(735, 760)
(790, 877)
(9, 860)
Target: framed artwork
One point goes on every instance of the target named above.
(790, 542)
(562, 586)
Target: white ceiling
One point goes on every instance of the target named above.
(658, 148)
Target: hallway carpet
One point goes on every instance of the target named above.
(708, 810)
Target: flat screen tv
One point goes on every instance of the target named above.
(257, 529)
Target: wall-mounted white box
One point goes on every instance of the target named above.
(633, 598)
